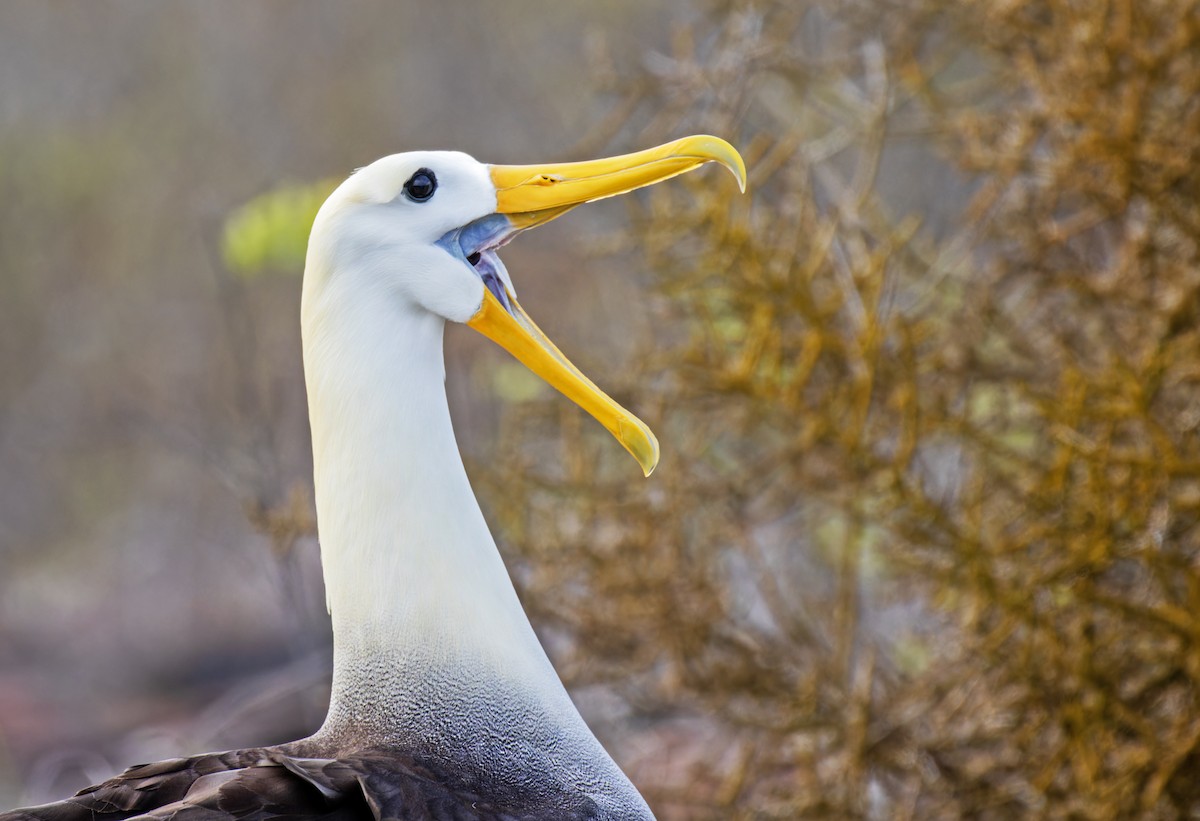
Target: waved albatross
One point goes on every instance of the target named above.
(444, 704)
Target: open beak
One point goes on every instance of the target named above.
(529, 195)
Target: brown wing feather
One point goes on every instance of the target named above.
(265, 784)
(243, 784)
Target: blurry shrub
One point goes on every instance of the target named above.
(270, 232)
(924, 542)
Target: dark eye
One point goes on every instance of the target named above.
(421, 185)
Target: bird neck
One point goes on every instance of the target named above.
(423, 609)
(433, 654)
(414, 583)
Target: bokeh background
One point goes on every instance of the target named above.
(924, 540)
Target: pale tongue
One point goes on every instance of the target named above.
(489, 268)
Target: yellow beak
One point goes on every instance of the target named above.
(530, 195)
(533, 194)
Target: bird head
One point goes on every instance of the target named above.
(433, 221)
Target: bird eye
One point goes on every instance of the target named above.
(421, 185)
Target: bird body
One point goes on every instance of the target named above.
(444, 704)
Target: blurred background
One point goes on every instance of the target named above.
(924, 540)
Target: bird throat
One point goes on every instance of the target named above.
(430, 640)
(434, 657)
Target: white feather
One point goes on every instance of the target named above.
(426, 621)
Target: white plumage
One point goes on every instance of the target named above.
(444, 704)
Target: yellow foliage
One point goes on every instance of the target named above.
(269, 234)
(925, 538)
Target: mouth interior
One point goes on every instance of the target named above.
(476, 243)
(488, 268)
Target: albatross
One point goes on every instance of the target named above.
(444, 704)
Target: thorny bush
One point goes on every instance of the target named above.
(924, 542)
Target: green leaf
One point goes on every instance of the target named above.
(269, 234)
